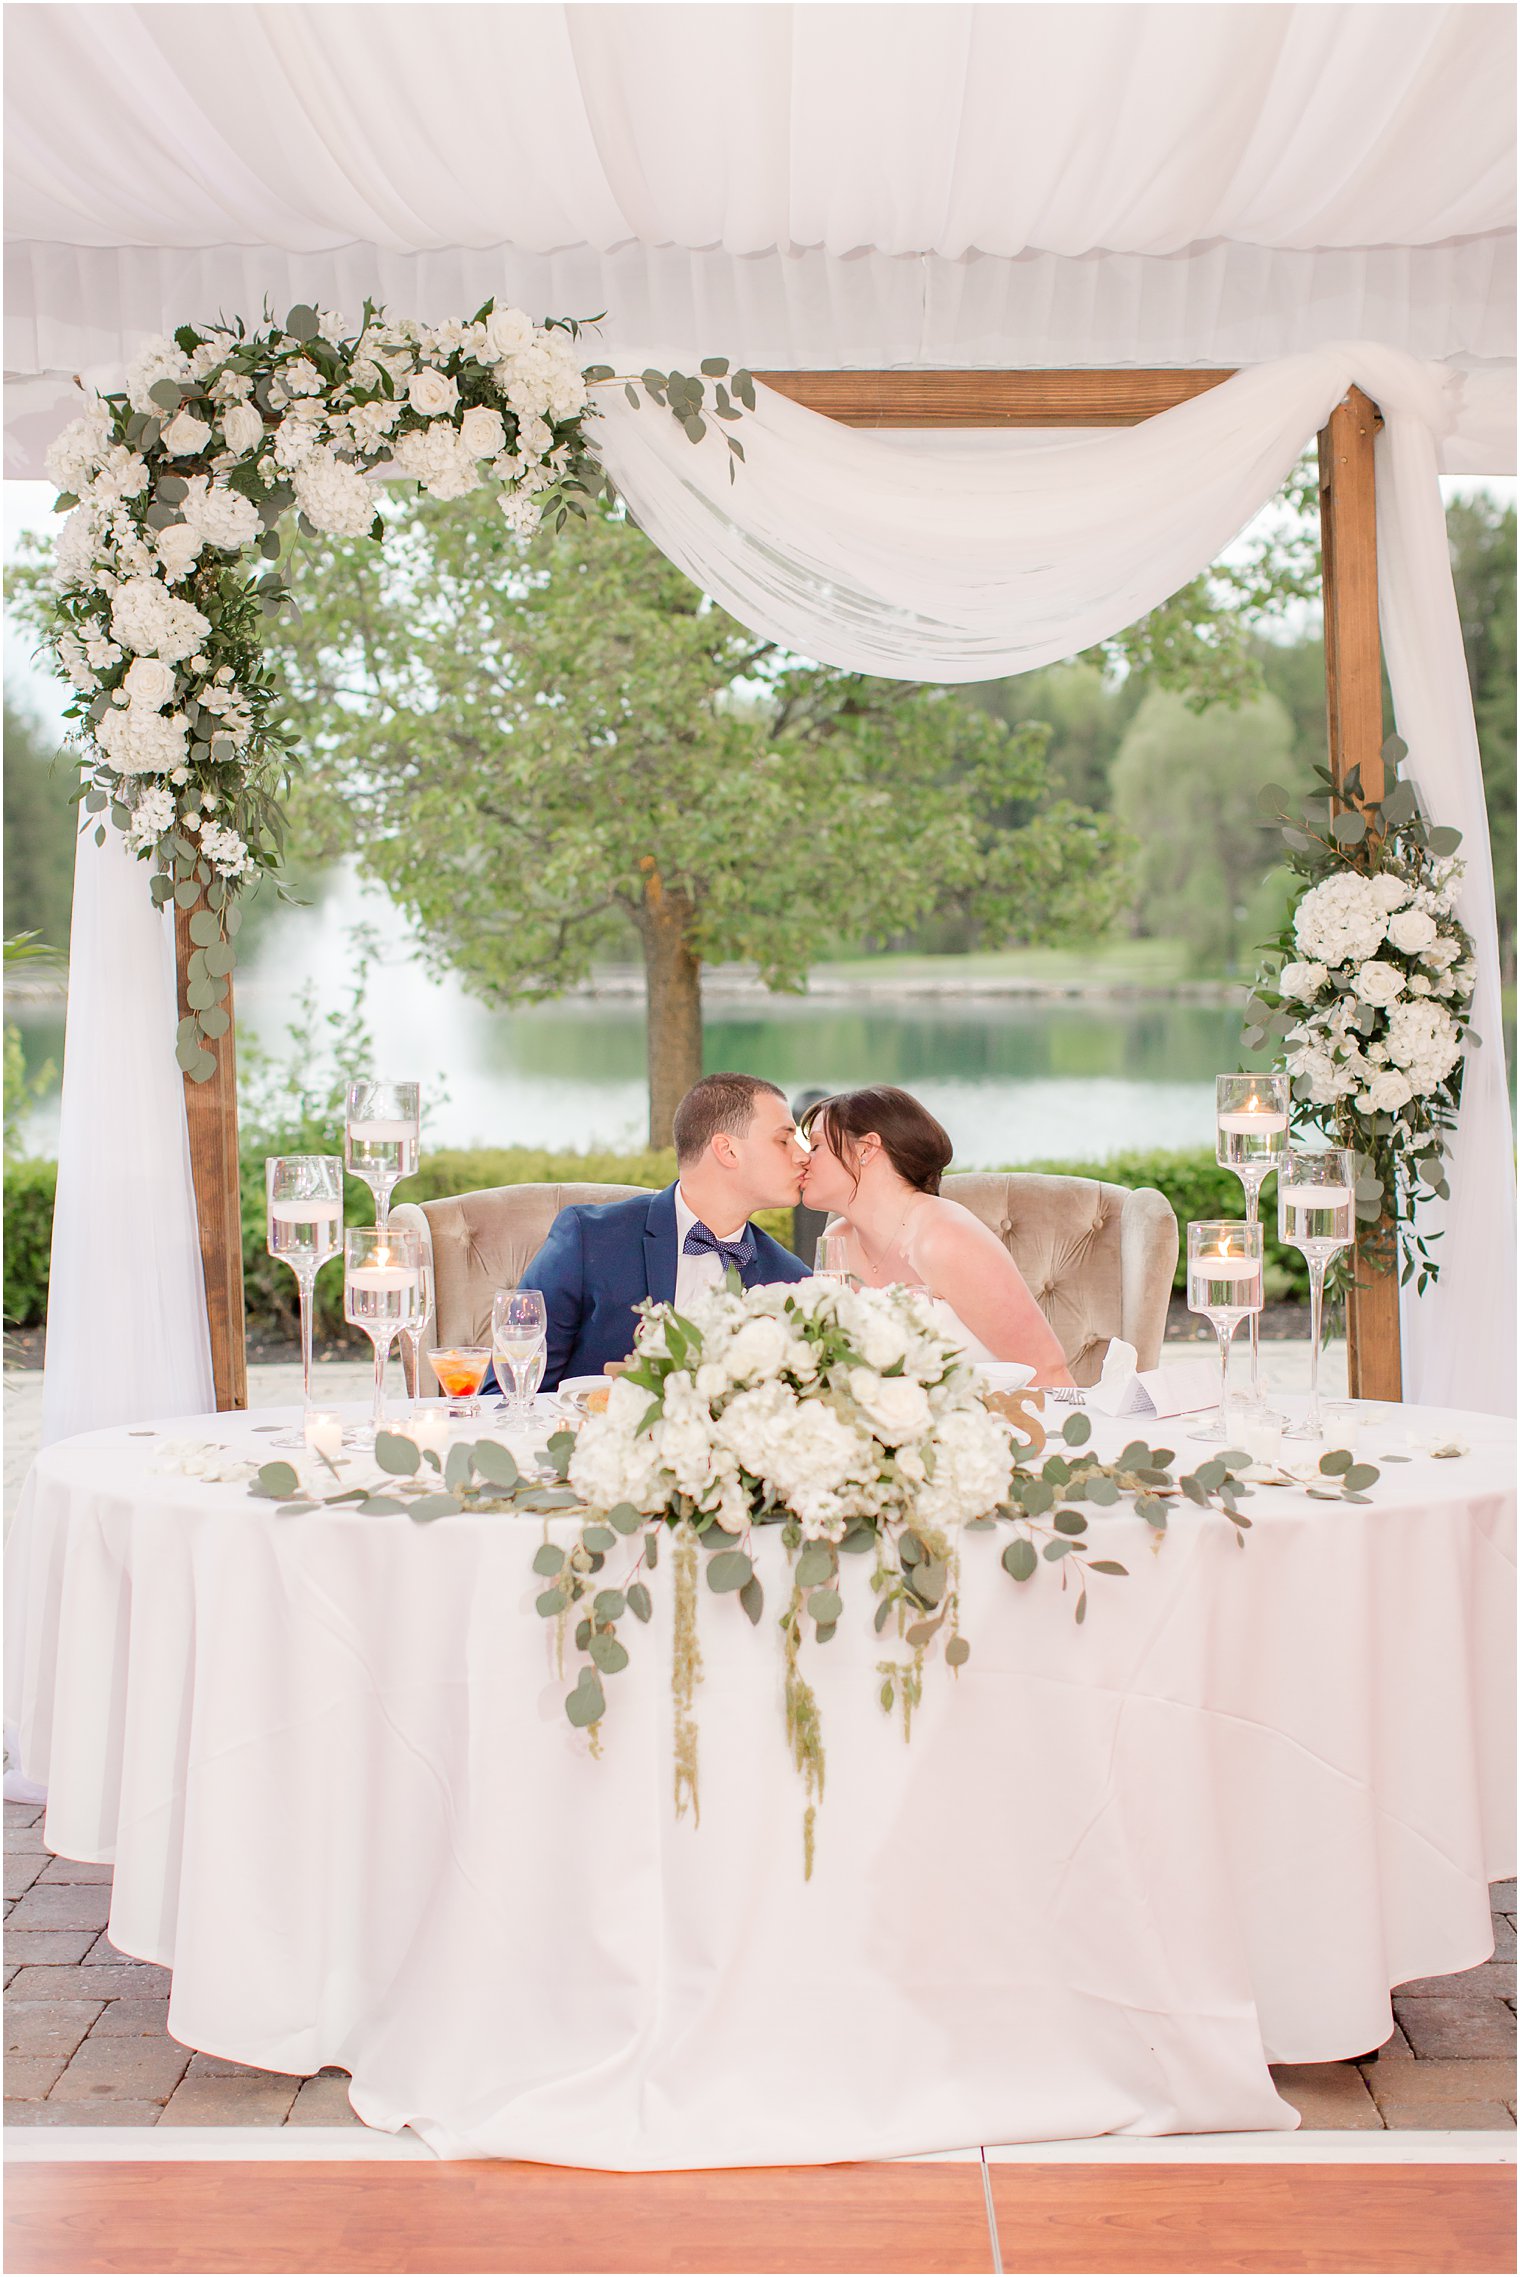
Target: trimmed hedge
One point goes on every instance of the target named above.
(1192, 1182)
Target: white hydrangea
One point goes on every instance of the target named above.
(542, 378)
(298, 436)
(433, 456)
(971, 1471)
(76, 546)
(156, 360)
(146, 618)
(334, 496)
(73, 456)
(1326, 1080)
(1423, 1039)
(1341, 921)
(220, 516)
(140, 741)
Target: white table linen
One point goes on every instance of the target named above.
(1116, 1870)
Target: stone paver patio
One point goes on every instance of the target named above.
(87, 2044)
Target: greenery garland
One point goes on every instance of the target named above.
(1365, 997)
(178, 489)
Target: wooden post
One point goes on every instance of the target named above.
(211, 1110)
(1354, 695)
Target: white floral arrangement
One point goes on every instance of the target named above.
(153, 605)
(805, 1400)
(1370, 1004)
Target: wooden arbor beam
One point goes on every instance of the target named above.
(211, 1113)
(1354, 699)
(992, 399)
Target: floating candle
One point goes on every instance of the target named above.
(1315, 1197)
(381, 1280)
(1253, 1122)
(381, 1133)
(305, 1212)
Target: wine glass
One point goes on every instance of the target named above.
(833, 1259)
(461, 1370)
(1316, 1213)
(415, 1330)
(1224, 1284)
(382, 1266)
(1251, 1138)
(519, 1333)
(303, 1196)
(382, 1136)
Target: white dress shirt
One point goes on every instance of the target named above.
(705, 1271)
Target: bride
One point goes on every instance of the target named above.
(875, 1164)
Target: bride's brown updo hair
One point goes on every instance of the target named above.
(917, 1147)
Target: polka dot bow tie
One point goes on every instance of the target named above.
(701, 1241)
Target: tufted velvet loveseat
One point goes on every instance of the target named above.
(1099, 1258)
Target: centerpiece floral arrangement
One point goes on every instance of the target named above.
(846, 1419)
(1367, 996)
(168, 566)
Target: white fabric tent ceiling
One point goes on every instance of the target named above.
(814, 185)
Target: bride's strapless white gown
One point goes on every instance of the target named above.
(957, 1331)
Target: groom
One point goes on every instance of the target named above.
(737, 1150)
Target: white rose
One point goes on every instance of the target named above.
(431, 392)
(897, 1407)
(185, 435)
(1303, 981)
(481, 432)
(507, 330)
(1386, 1093)
(1390, 892)
(243, 428)
(1411, 930)
(149, 681)
(1419, 985)
(177, 548)
(759, 1350)
(1378, 983)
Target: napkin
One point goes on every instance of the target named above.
(1179, 1387)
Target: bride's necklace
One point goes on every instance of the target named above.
(876, 1262)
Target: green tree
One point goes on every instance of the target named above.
(40, 823)
(535, 750)
(1482, 536)
(1185, 785)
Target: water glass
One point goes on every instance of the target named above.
(1251, 1138)
(381, 1295)
(519, 1335)
(382, 1137)
(303, 1196)
(1224, 1285)
(1316, 1213)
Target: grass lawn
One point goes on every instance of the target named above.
(1124, 963)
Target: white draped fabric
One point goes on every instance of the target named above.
(947, 184)
(996, 557)
(1115, 1872)
(127, 1332)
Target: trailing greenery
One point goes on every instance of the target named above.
(1191, 1181)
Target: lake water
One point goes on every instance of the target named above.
(1011, 1079)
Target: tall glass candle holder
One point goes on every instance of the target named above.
(1316, 1213)
(1251, 1138)
(1224, 1284)
(303, 1199)
(382, 1295)
(414, 1332)
(382, 1137)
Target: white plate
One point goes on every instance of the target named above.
(584, 1383)
(1004, 1375)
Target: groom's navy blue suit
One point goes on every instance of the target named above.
(601, 1259)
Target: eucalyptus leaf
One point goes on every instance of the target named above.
(548, 1560)
(610, 1656)
(427, 1507)
(1076, 1430)
(814, 1565)
(587, 1703)
(729, 1569)
(1020, 1559)
(401, 1457)
(825, 1606)
(495, 1462)
(640, 1604)
(381, 1506)
(957, 1652)
(276, 1480)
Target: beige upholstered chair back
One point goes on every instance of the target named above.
(483, 1242)
(1098, 1258)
